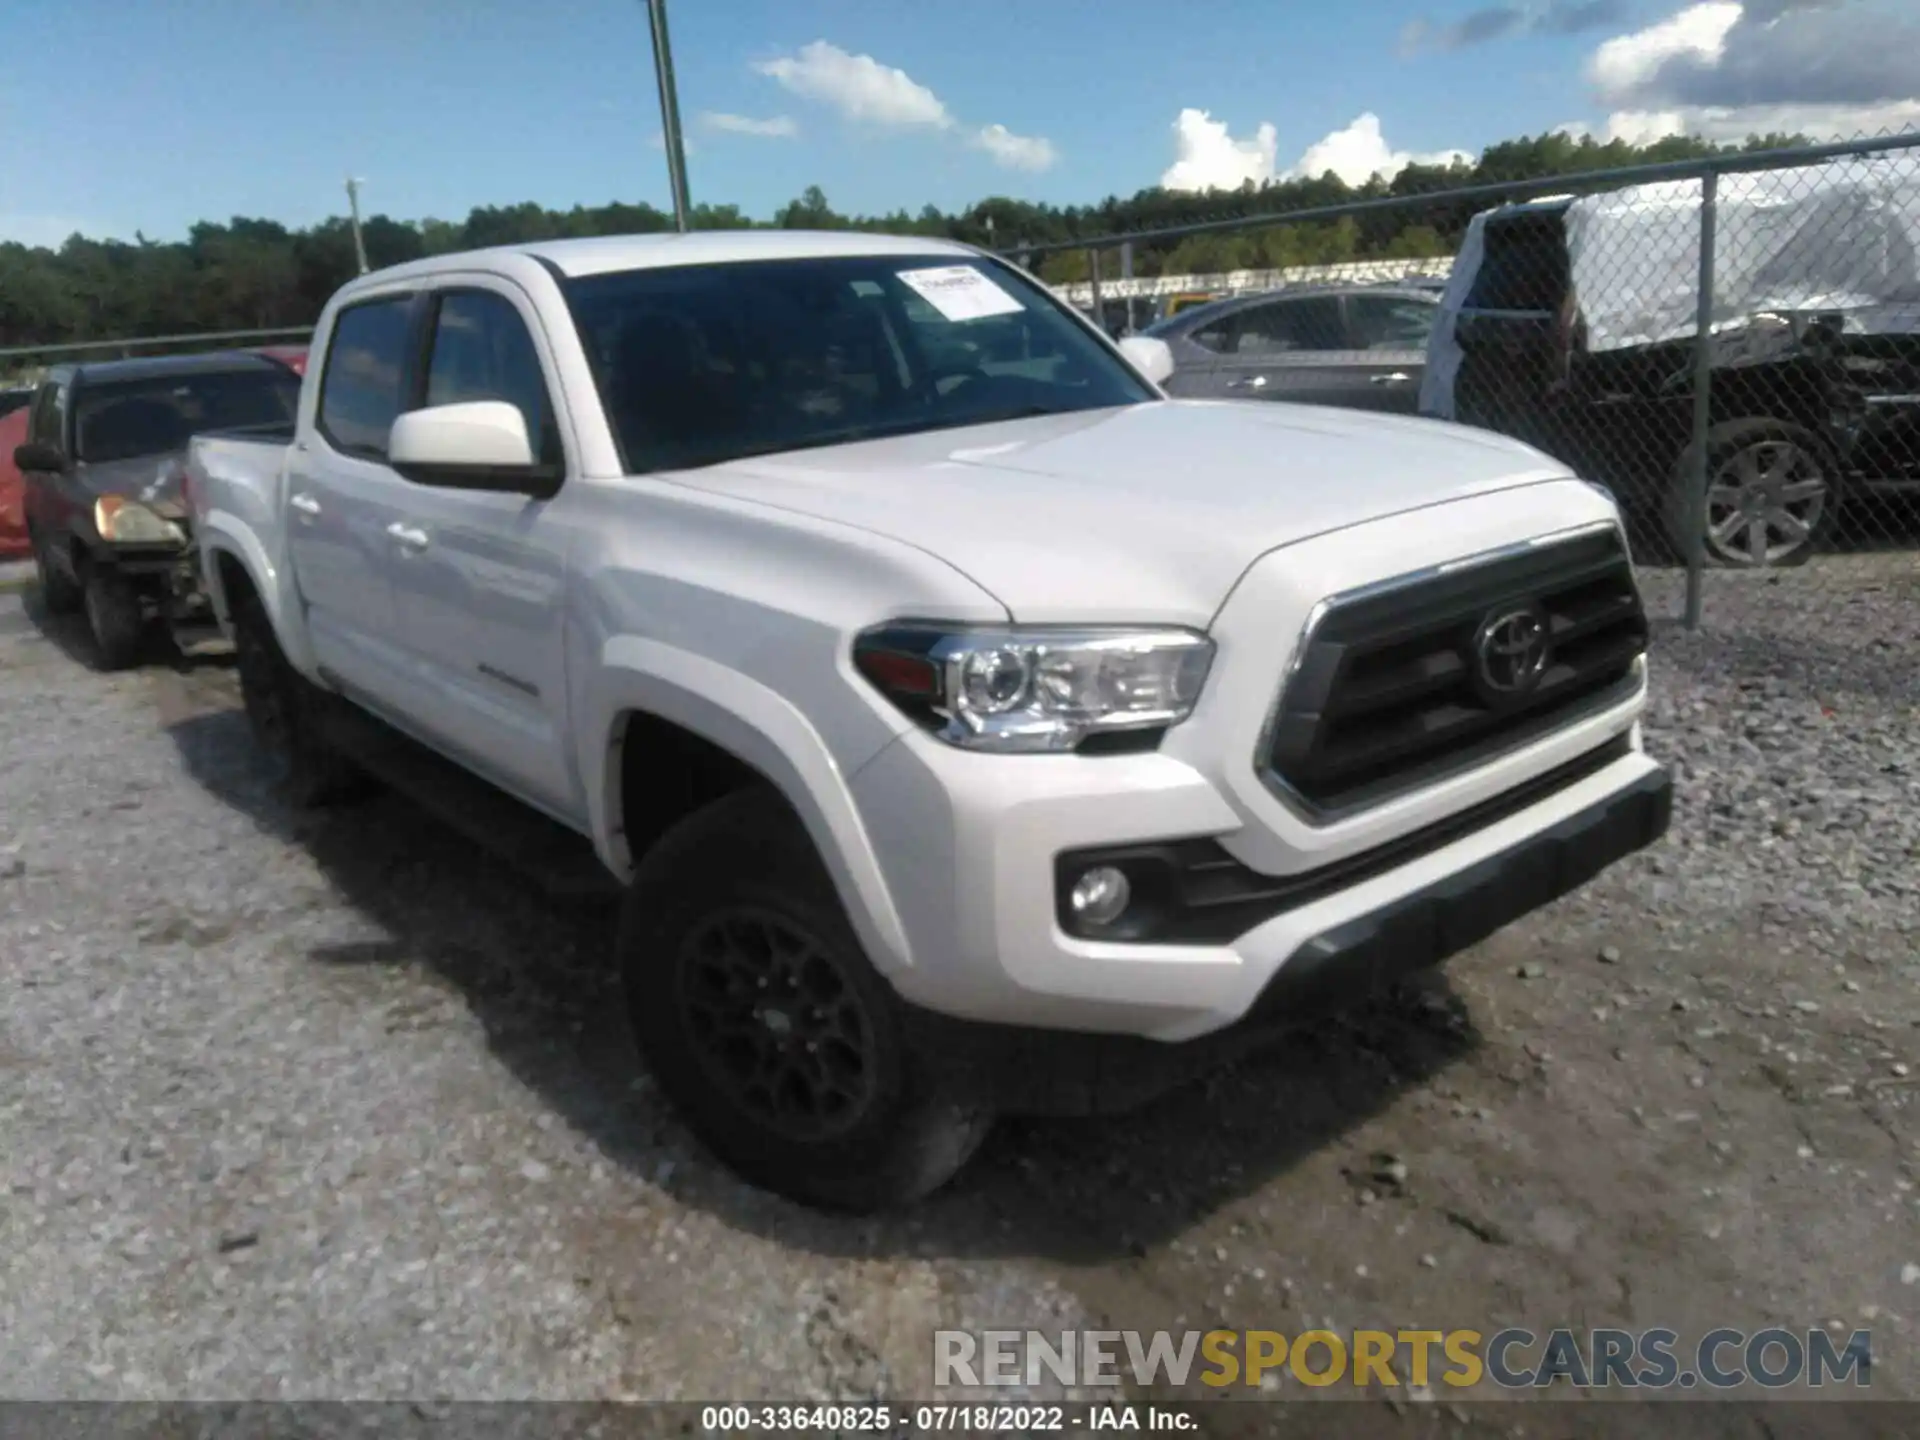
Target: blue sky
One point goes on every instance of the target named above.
(156, 113)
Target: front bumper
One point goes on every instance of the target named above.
(1421, 929)
(975, 871)
(1022, 1070)
(968, 845)
(169, 575)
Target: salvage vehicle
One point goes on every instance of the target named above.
(106, 521)
(967, 737)
(1552, 332)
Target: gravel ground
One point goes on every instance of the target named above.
(332, 1108)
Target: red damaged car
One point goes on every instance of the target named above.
(105, 518)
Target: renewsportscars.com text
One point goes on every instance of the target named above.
(1511, 1359)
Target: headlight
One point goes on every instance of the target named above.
(1033, 687)
(127, 522)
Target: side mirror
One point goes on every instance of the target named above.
(1150, 356)
(474, 445)
(36, 455)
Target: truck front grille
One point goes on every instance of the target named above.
(1402, 684)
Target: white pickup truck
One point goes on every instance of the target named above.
(971, 728)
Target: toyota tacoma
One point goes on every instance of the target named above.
(968, 728)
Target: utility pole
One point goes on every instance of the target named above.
(353, 207)
(669, 112)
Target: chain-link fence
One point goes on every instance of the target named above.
(1730, 345)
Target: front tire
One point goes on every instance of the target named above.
(764, 1023)
(282, 708)
(116, 617)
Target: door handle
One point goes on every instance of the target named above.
(304, 503)
(1398, 377)
(1256, 382)
(409, 537)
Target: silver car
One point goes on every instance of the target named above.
(1359, 346)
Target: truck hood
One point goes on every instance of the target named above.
(1148, 511)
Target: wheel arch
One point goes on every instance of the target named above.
(646, 691)
(231, 554)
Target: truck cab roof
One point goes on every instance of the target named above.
(600, 255)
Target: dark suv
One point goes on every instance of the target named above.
(1808, 410)
(104, 512)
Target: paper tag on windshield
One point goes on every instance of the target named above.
(961, 292)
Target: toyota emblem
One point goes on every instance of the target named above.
(1510, 651)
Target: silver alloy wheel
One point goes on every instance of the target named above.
(1765, 504)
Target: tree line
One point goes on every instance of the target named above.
(260, 274)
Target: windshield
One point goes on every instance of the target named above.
(118, 421)
(697, 365)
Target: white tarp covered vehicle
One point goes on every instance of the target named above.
(1569, 323)
(1833, 238)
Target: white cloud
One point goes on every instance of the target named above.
(1724, 70)
(1016, 152)
(1360, 151)
(1731, 124)
(777, 127)
(1626, 64)
(1207, 157)
(858, 86)
(864, 90)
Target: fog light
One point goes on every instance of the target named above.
(1100, 895)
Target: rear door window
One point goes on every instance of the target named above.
(360, 387)
(1279, 327)
(1286, 326)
